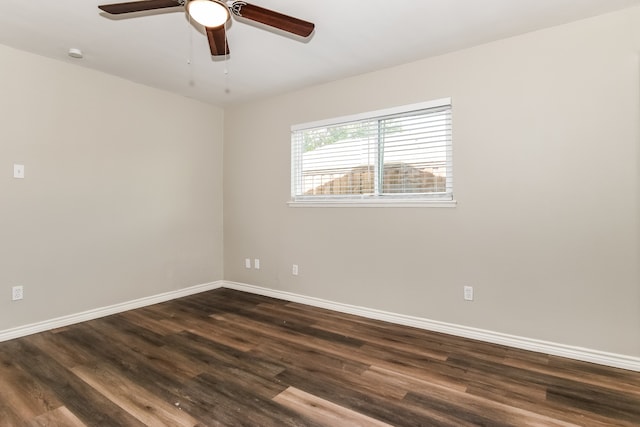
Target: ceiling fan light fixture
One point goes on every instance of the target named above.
(209, 13)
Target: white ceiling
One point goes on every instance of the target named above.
(164, 50)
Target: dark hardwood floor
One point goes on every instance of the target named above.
(227, 358)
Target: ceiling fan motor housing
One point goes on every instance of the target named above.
(213, 14)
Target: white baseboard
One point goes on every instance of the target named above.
(562, 350)
(546, 347)
(84, 316)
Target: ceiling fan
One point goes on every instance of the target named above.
(213, 14)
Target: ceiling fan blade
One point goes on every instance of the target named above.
(272, 18)
(217, 41)
(139, 6)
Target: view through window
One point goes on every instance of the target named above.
(391, 154)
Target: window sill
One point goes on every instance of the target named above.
(398, 203)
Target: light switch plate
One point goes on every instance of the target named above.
(18, 171)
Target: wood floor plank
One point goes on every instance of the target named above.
(420, 366)
(59, 348)
(140, 318)
(60, 417)
(130, 329)
(391, 412)
(466, 412)
(406, 340)
(130, 353)
(161, 373)
(127, 344)
(312, 358)
(243, 340)
(9, 418)
(136, 400)
(229, 358)
(355, 355)
(595, 400)
(284, 333)
(20, 394)
(590, 373)
(301, 327)
(407, 343)
(239, 373)
(87, 404)
(329, 368)
(323, 411)
(242, 406)
(213, 355)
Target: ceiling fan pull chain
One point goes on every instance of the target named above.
(226, 55)
(226, 61)
(190, 41)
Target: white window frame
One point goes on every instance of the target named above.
(445, 199)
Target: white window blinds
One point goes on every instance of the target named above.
(404, 152)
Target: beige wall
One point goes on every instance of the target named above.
(546, 160)
(123, 191)
(123, 194)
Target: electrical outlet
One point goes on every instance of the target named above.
(256, 264)
(17, 293)
(294, 269)
(247, 263)
(468, 293)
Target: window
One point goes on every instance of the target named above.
(394, 156)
